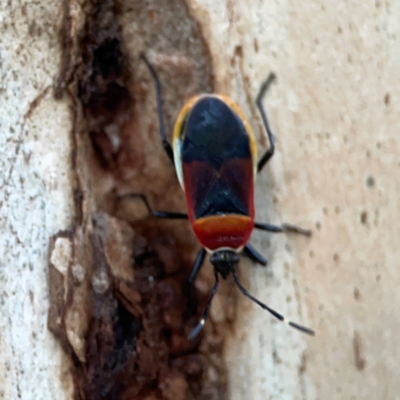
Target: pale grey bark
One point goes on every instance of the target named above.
(35, 197)
(335, 112)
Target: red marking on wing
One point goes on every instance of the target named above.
(238, 174)
(219, 231)
(198, 178)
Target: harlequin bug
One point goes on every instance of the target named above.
(215, 156)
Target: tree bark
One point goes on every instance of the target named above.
(36, 197)
(79, 128)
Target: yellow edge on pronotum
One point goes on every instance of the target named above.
(177, 138)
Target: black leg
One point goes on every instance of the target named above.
(296, 229)
(197, 265)
(268, 227)
(284, 228)
(250, 252)
(273, 312)
(167, 146)
(200, 325)
(156, 214)
(263, 90)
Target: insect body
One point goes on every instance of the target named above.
(215, 159)
(215, 156)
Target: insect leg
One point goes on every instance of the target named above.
(197, 264)
(283, 228)
(200, 325)
(156, 214)
(250, 252)
(166, 145)
(273, 312)
(263, 90)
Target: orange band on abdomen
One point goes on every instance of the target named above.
(218, 231)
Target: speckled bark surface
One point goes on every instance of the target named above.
(35, 197)
(335, 112)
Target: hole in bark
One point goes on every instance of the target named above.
(386, 99)
(370, 182)
(364, 217)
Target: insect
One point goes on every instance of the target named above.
(215, 156)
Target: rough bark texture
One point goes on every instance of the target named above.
(79, 129)
(35, 195)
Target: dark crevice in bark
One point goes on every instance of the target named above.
(132, 302)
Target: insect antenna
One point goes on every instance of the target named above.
(200, 325)
(273, 312)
